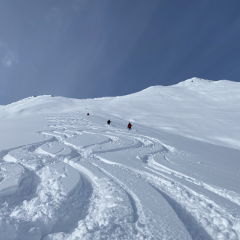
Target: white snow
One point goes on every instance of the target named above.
(11, 176)
(175, 175)
(54, 149)
(61, 177)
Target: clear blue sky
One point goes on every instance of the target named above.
(97, 48)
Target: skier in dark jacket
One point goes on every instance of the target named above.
(129, 126)
(108, 122)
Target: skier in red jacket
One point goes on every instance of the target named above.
(129, 126)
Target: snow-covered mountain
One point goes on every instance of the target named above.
(196, 108)
(175, 175)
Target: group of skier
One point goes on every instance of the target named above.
(109, 121)
(129, 124)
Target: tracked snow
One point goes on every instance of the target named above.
(176, 175)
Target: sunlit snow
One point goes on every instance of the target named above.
(176, 175)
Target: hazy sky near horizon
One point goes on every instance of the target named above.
(97, 48)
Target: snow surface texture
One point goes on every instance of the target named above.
(80, 178)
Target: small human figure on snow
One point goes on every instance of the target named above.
(88, 114)
(108, 122)
(129, 126)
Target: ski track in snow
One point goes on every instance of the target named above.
(104, 199)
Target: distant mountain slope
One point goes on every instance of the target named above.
(39, 105)
(200, 109)
(196, 108)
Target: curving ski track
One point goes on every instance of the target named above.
(131, 186)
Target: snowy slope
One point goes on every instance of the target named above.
(66, 175)
(196, 108)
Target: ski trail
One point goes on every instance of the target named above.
(105, 198)
(135, 202)
(179, 197)
(161, 213)
(139, 217)
(132, 187)
(230, 195)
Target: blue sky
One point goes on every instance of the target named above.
(97, 48)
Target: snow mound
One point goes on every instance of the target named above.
(11, 176)
(195, 81)
(86, 139)
(54, 149)
(205, 83)
(61, 177)
(9, 158)
(116, 143)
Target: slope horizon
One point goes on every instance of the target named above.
(184, 81)
(195, 108)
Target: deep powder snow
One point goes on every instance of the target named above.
(176, 175)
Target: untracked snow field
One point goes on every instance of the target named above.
(65, 175)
